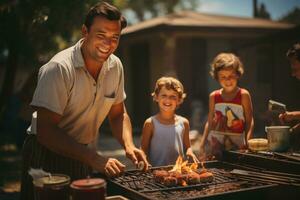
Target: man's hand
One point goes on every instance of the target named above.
(111, 167)
(285, 117)
(289, 116)
(137, 155)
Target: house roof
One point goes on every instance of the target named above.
(195, 19)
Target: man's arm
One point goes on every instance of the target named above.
(122, 130)
(55, 139)
(289, 116)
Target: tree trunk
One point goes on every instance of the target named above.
(9, 78)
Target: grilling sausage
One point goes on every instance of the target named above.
(159, 175)
(206, 177)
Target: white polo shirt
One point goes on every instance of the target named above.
(66, 88)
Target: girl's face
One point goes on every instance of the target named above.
(167, 100)
(228, 79)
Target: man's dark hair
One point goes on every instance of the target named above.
(104, 9)
(294, 52)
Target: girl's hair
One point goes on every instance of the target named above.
(171, 84)
(224, 61)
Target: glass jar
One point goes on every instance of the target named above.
(90, 188)
(52, 187)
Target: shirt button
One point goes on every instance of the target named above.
(94, 84)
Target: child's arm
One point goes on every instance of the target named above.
(187, 142)
(208, 123)
(146, 136)
(248, 112)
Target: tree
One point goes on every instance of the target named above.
(292, 17)
(32, 30)
(155, 8)
(262, 12)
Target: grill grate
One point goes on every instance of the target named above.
(143, 184)
(205, 191)
(144, 181)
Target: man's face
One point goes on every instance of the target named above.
(295, 67)
(102, 39)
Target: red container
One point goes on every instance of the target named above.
(88, 189)
(50, 188)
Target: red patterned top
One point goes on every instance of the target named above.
(228, 126)
(236, 100)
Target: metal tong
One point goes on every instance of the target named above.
(276, 106)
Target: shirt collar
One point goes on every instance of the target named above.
(78, 60)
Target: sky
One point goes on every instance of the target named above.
(244, 8)
(238, 8)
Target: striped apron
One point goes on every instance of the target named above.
(36, 156)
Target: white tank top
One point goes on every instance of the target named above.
(166, 143)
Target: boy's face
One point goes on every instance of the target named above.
(295, 67)
(228, 79)
(167, 100)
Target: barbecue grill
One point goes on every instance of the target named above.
(138, 185)
(280, 162)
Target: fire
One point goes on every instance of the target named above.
(182, 167)
(183, 174)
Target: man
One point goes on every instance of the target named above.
(76, 90)
(293, 54)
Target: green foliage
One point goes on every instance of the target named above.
(292, 17)
(31, 31)
(262, 12)
(30, 27)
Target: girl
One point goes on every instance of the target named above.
(230, 118)
(165, 135)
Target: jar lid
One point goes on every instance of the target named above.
(89, 182)
(54, 179)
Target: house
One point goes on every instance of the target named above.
(182, 45)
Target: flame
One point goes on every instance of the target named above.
(182, 167)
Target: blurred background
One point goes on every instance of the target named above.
(164, 37)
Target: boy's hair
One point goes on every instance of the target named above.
(171, 84)
(225, 61)
(294, 52)
(104, 9)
